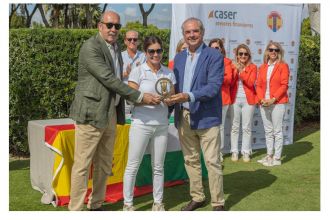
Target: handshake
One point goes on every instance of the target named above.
(151, 99)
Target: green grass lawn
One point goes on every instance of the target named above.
(248, 186)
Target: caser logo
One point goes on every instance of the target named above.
(222, 14)
(274, 21)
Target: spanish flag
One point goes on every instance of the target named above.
(61, 139)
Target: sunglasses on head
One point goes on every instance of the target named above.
(132, 39)
(152, 51)
(110, 25)
(273, 49)
(241, 54)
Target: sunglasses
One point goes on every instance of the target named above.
(273, 49)
(241, 54)
(218, 48)
(152, 51)
(110, 25)
(132, 39)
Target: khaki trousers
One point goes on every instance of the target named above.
(192, 142)
(92, 145)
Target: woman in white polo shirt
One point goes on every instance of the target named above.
(149, 125)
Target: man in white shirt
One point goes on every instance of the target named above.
(132, 57)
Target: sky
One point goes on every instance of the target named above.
(160, 15)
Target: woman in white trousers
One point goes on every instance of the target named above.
(244, 102)
(272, 88)
(226, 87)
(149, 125)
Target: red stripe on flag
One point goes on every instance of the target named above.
(52, 131)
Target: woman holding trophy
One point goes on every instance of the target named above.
(149, 124)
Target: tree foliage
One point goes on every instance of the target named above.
(308, 80)
(17, 21)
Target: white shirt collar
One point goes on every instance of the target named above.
(198, 51)
(273, 64)
(147, 68)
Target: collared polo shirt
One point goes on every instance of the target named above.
(146, 79)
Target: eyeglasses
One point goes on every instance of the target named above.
(132, 39)
(273, 49)
(152, 51)
(241, 54)
(110, 25)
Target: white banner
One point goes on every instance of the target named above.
(254, 25)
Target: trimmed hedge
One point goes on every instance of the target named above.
(307, 106)
(43, 73)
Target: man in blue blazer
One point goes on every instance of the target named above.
(199, 74)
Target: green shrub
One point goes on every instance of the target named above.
(307, 106)
(43, 74)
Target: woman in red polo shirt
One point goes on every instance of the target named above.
(272, 88)
(225, 89)
(181, 46)
(244, 100)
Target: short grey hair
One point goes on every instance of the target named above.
(200, 24)
(132, 31)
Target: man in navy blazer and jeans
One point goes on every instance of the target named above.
(199, 74)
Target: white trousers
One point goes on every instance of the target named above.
(222, 127)
(128, 108)
(140, 136)
(272, 118)
(242, 108)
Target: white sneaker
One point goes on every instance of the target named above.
(158, 207)
(246, 157)
(272, 162)
(128, 208)
(234, 157)
(264, 159)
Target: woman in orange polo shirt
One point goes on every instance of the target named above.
(244, 101)
(225, 89)
(272, 88)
